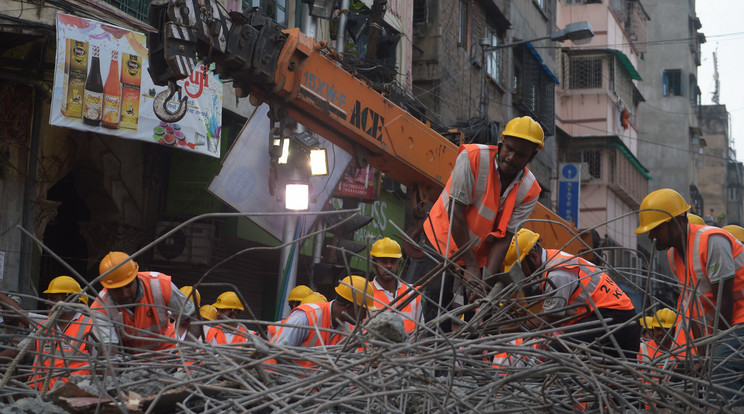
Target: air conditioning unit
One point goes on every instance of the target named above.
(189, 244)
(585, 174)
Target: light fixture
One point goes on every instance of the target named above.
(318, 162)
(282, 143)
(576, 32)
(297, 196)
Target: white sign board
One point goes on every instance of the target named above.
(243, 181)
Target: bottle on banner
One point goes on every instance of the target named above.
(131, 78)
(76, 71)
(93, 96)
(112, 94)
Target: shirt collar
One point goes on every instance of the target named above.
(379, 287)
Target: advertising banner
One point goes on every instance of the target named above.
(101, 84)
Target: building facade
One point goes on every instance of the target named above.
(720, 178)
(469, 74)
(598, 123)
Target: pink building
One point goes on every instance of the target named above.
(596, 121)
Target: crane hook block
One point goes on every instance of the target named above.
(160, 104)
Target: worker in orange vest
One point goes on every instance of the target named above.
(314, 297)
(137, 304)
(488, 194)
(294, 299)
(180, 324)
(386, 255)
(61, 346)
(576, 290)
(333, 319)
(230, 331)
(709, 265)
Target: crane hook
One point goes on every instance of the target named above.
(160, 105)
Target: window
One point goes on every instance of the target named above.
(733, 194)
(275, 9)
(540, 4)
(672, 82)
(462, 28)
(420, 11)
(534, 86)
(592, 159)
(493, 58)
(585, 72)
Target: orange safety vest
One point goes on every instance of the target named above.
(66, 354)
(408, 313)
(272, 329)
(318, 315)
(150, 315)
(698, 300)
(505, 359)
(240, 334)
(483, 216)
(596, 288)
(648, 351)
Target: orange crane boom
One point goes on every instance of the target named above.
(299, 78)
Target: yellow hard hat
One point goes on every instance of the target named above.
(525, 238)
(208, 312)
(659, 207)
(386, 247)
(123, 275)
(525, 128)
(228, 300)
(695, 219)
(66, 284)
(736, 231)
(298, 292)
(314, 297)
(647, 322)
(356, 289)
(665, 318)
(196, 298)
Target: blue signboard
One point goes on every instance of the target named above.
(569, 186)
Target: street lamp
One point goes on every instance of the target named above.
(577, 32)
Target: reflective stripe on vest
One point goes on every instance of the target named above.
(408, 313)
(596, 288)
(482, 215)
(66, 352)
(698, 300)
(150, 313)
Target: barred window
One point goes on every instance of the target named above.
(585, 72)
(672, 82)
(534, 86)
(420, 11)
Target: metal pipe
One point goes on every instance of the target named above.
(342, 18)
